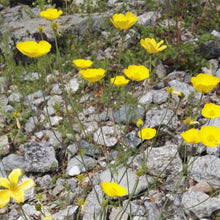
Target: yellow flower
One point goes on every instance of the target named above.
(211, 110)
(124, 22)
(51, 14)
(191, 136)
(172, 90)
(147, 133)
(189, 121)
(151, 46)
(204, 82)
(34, 49)
(140, 123)
(92, 75)
(47, 218)
(137, 72)
(210, 136)
(10, 188)
(113, 189)
(119, 81)
(83, 64)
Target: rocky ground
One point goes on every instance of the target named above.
(45, 154)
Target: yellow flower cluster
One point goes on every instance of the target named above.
(119, 81)
(207, 135)
(211, 110)
(137, 72)
(83, 64)
(113, 189)
(9, 188)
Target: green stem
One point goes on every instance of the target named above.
(200, 100)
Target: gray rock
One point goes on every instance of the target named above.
(51, 137)
(127, 178)
(3, 83)
(205, 168)
(56, 89)
(79, 164)
(31, 212)
(93, 206)
(151, 211)
(127, 114)
(72, 150)
(147, 19)
(160, 161)
(53, 100)
(40, 157)
(91, 150)
(184, 88)
(215, 122)
(216, 34)
(106, 135)
(32, 76)
(4, 145)
(160, 70)
(54, 121)
(133, 208)
(13, 161)
(118, 214)
(140, 218)
(44, 182)
(30, 124)
(72, 86)
(176, 75)
(146, 99)
(170, 207)
(200, 204)
(213, 151)
(90, 128)
(155, 117)
(132, 140)
(218, 73)
(69, 212)
(15, 97)
(29, 99)
(159, 96)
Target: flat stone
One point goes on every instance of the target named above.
(70, 212)
(132, 140)
(4, 145)
(205, 168)
(72, 86)
(30, 124)
(15, 97)
(128, 114)
(128, 178)
(152, 212)
(44, 182)
(90, 148)
(202, 186)
(133, 208)
(184, 88)
(146, 99)
(161, 159)
(159, 96)
(118, 214)
(155, 117)
(200, 204)
(13, 161)
(106, 135)
(147, 19)
(94, 204)
(40, 157)
(77, 165)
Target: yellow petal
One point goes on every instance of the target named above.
(27, 184)
(4, 182)
(14, 176)
(4, 197)
(17, 195)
